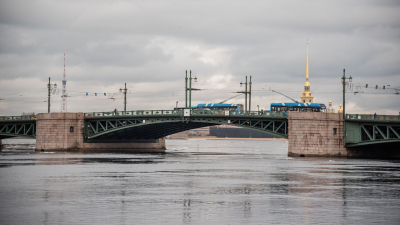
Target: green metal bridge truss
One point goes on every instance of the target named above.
(17, 126)
(153, 124)
(372, 129)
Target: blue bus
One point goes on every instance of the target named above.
(222, 106)
(300, 107)
(193, 107)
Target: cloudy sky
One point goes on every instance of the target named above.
(150, 44)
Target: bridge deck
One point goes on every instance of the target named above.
(193, 112)
(159, 123)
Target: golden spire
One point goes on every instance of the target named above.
(306, 96)
(307, 63)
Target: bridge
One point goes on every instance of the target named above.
(145, 124)
(151, 124)
(128, 126)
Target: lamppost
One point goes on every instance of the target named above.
(245, 94)
(176, 105)
(344, 105)
(125, 90)
(189, 89)
(49, 88)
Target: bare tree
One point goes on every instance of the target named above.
(28, 114)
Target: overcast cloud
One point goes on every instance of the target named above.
(150, 44)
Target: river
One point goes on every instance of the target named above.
(195, 182)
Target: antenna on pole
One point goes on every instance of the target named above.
(64, 91)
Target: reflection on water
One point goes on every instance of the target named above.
(196, 182)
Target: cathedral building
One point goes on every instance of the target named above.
(307, 96)
(330, 109)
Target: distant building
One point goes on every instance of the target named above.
(198, 132)
(330, 109)
(221, 131)
(340, 109)
(307, 95)
(237, 132)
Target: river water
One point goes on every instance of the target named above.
(195, 182)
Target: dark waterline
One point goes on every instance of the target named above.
(195, 182)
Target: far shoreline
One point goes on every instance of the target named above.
(227, 138)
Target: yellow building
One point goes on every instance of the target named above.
(307, 95)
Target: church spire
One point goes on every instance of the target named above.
(307, 63)
(307, 96)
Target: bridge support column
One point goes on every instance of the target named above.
(64, 132)
(59, 131)
(316, 134)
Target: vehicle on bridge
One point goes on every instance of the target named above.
(300, 107)
(178, 108)
(222, 107)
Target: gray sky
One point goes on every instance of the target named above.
(150, 44)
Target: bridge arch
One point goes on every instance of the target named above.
(158, 127)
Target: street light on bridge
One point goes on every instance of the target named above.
(50, 87)
(344, 105)
(125, 90)
(245, 93)
(189, 89)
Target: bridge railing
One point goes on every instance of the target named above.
(238, 113)
(135, 113)
(13, 118)
(372, 117)
(180, 112)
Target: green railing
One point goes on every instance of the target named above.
(136, 113)
(13, 118)
(180, 112)
(372, 117)
(239, 113)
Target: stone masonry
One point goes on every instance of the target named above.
(316, 134)
(53, 131)
(64, 132)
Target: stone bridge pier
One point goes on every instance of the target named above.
(316, 134)
(64, 132)
(321, 134)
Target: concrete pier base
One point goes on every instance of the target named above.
(156, 145)
(64, 132)
(316, 134)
